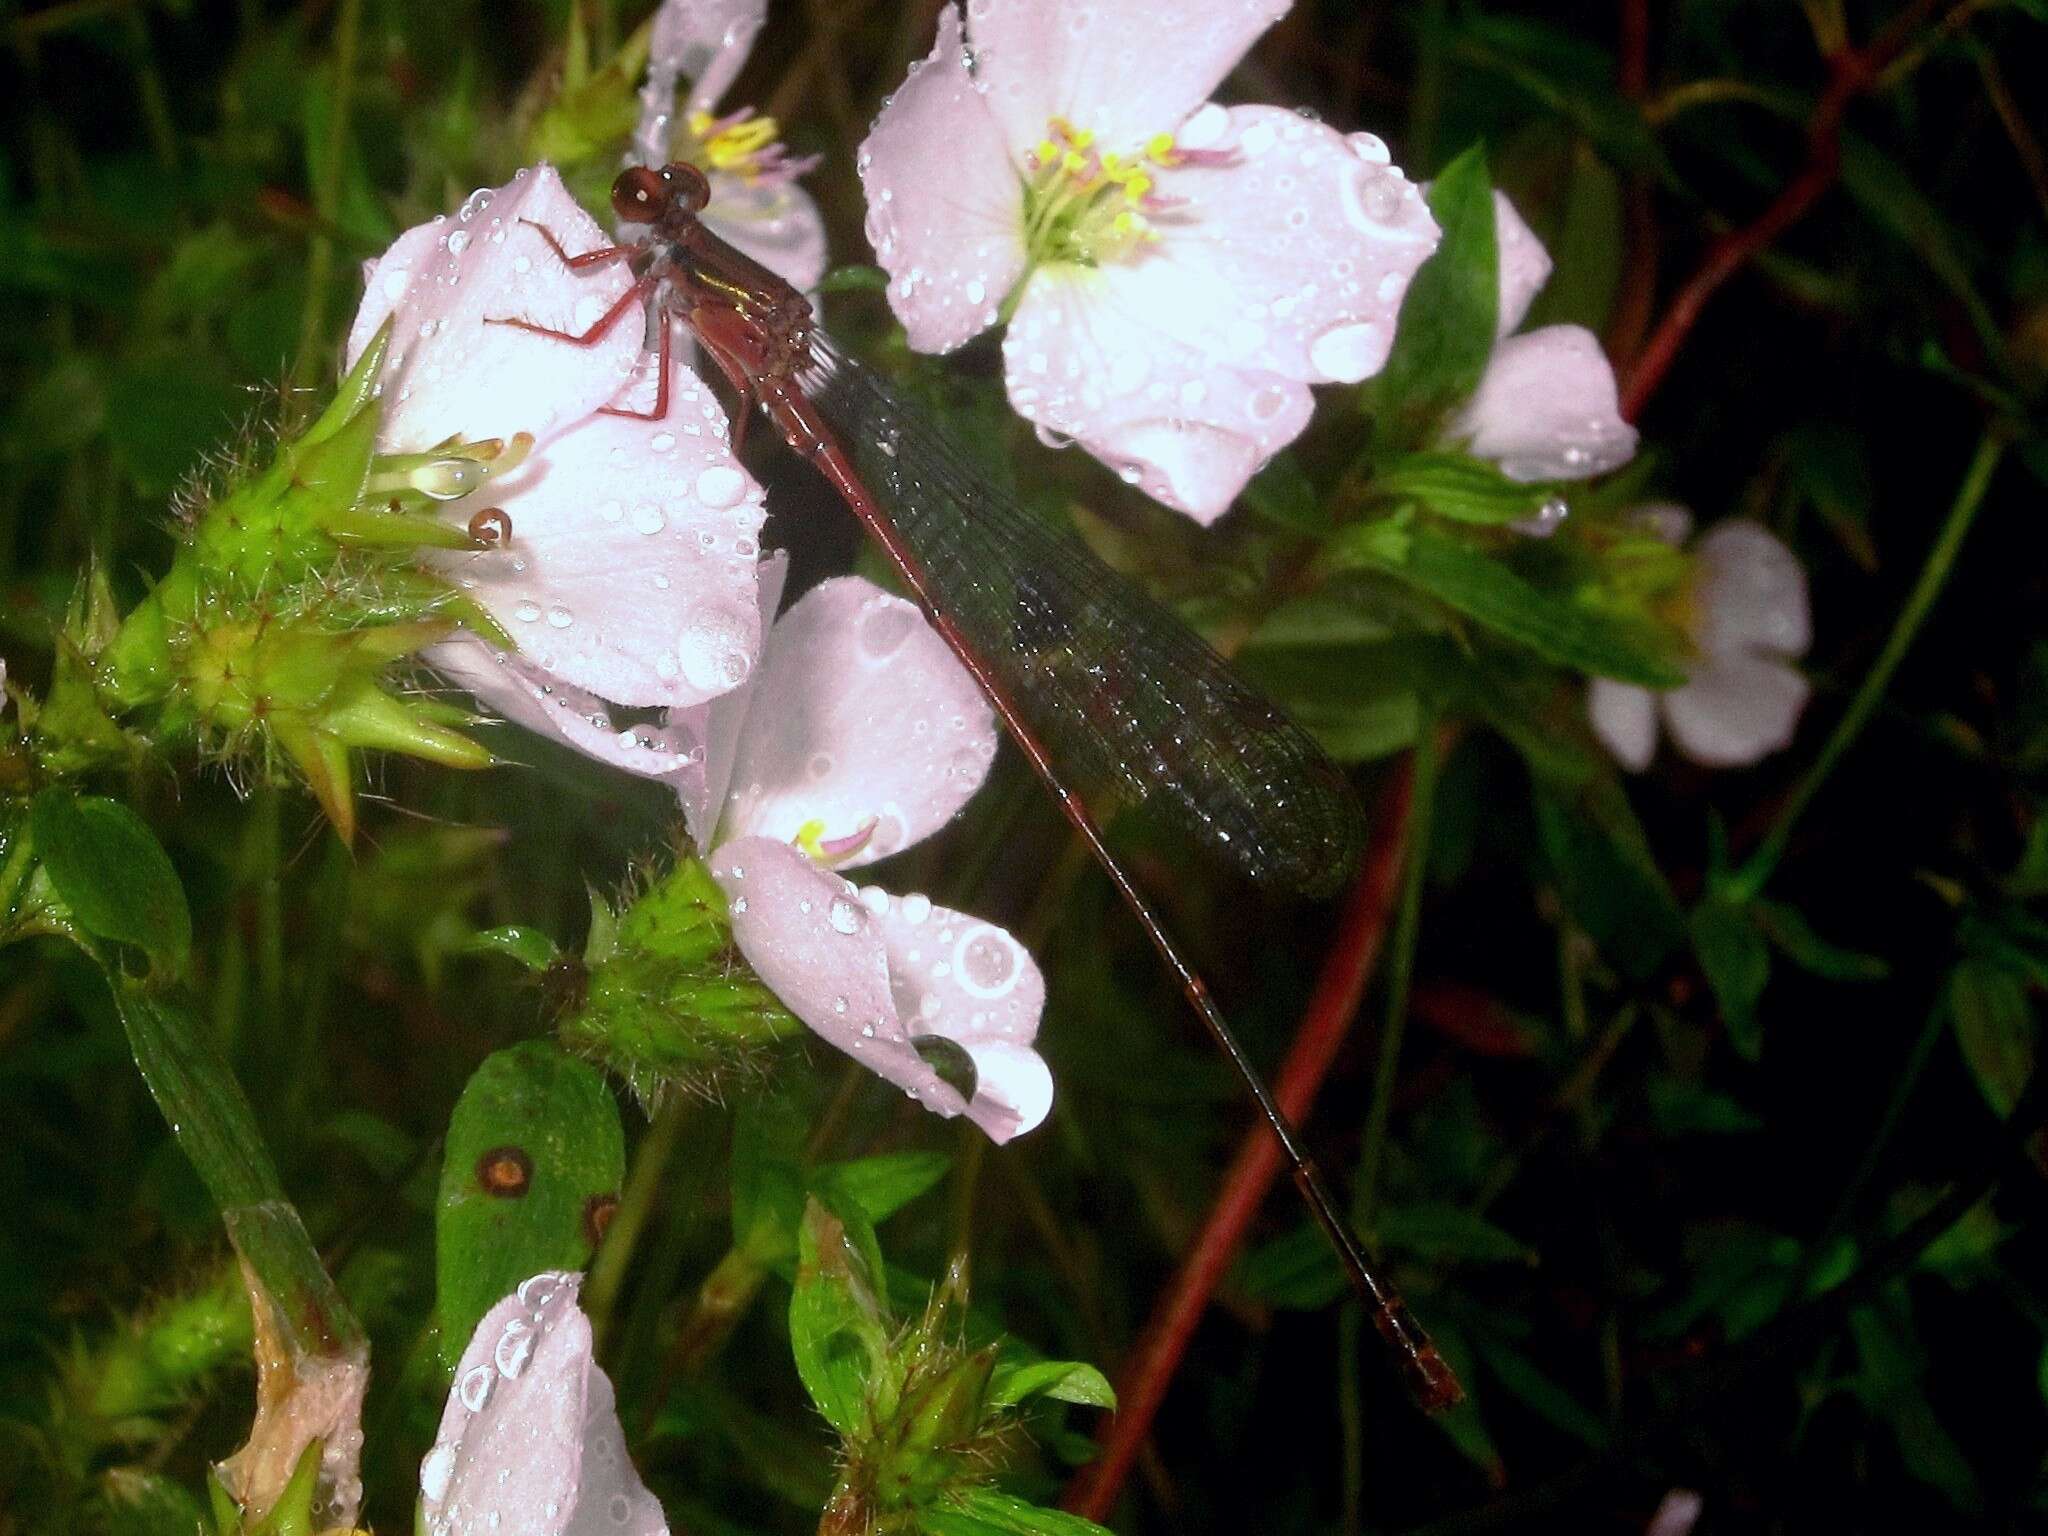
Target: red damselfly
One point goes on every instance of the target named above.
(1094, 681)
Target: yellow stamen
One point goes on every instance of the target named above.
(810, 837)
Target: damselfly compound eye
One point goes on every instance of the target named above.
(686, 185)
(492, 525)
(639, 195)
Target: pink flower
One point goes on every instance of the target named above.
(530, 1440)
(755, 201)
(859, 735)
(1175, 273)
(1745, 611)
(625, 575)
(1546, 407)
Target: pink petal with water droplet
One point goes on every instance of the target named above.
(614, 1502)
(859, 715)
(775, 223)
(513, 1446)
(1524, 264)
(1735, 709)
(1185, 428)
(1546, 409)
(671, 751)
(1292, 257)
(972, 983)
(629, 572)
(836, 981)
(945, 212)
(1749, 592)
(450, 373)
(1123, 69)
(1624, 717)
(705, 42)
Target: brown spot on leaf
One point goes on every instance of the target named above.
(598, 1212)
(505, 1172)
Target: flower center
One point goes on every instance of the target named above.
(739, 144)
(1086, 207)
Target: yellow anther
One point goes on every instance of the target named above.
(1073, 163)
(1136, 185)
(1047, 151)
(1061, 128)
(1084, 138)
(810, 837)
(1160, 148)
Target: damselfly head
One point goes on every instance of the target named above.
(641, 195)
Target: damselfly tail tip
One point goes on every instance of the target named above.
(1431, 1381)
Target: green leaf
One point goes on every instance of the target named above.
(1788, 928)
(1283, 495)
(882, 1185)
(1489, 592)
(1460, 487)
(1446, 329)
(1067, 1381)
(1606, 873)
(215, 1127)
(854, 279)
(1523, 1377)
(1995, 1029)
(1681, 1107)
(985, 1512)
(1890, 1388)
(1737, 964)
(534, 1161)
(112, 872)
(837, 1328)
(1433, 1229)
(529, 946)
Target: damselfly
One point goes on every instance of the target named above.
(1094, 681)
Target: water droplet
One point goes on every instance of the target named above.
(458, 242)
(526, 613)
(1348, 352)
(647, 518)
(475, 1390)
(661, 442)
(1204, 128)
(620, 1509)
(987, 962)
(522, 264)
(1370, 148)
(1548, 519)
(1257, 139)
(845, 916)
(883, 631)
(515, 1348)
(720, 486)
(560, 617)
(739, 907)
(977, 291)
(436, 1472)
(916, 907)
(538, 1291)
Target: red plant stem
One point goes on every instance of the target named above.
(1851, 72)
(1324, 1024)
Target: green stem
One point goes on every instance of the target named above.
(327, 186)
(1407, 924)
(1933, 576)
(966, 1176)
(615, 1254)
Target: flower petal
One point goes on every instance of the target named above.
(1625, 719)
(672, 750)
(945, 211)
(966, 980)
(1524, 264)
(448, 372)
(1184, 427)
(805, 932)
(1291, 257)
(1750, 592)
(702, 41)
(861, 725)
(775, 223)
(629, 571)
(529, 1443)
(1735, 709)
(1546, 409)
(1124, 71)
(722, 723)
